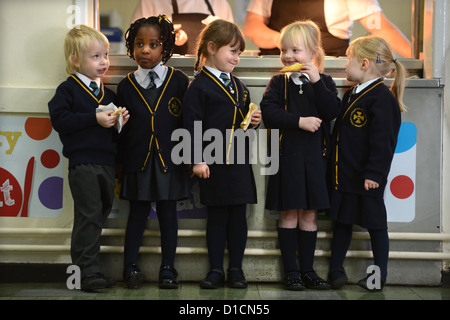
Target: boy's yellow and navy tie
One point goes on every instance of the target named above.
(93, 85)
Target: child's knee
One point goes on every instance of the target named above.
(308, 220)
(288, 219)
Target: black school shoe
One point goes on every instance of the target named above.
(337, 278)
(93, 282)
(168, 278)
(133, 276)
(363, 284)
(293, 281)
(313, 281)
(110, 282)
(214, 280)
(236, 278)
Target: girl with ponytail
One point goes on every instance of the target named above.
(363, 144)
(216, 99)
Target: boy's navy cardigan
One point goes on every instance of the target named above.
(73, 116)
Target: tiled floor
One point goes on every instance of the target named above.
(191, 291)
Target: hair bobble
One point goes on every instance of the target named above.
(378, 59)
(161, 16)
(394, 61)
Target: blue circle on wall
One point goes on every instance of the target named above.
(407, 137)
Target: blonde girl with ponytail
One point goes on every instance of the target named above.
(363, 145)
(379, 52)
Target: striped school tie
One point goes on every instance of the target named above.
(152, 76)
(93, 85)
(226, 80)
(303, 79)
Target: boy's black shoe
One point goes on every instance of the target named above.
(110, 282)
(93, 282)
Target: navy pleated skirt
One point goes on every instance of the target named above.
(366, 211)
(152, 184)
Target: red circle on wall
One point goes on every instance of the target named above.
(402, 187)
(50, 158)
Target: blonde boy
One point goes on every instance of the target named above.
(87, 139)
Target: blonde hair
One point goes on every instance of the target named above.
(380, 54)
(308, 32)
(221, 33)
(77, 41)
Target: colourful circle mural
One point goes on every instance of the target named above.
(27, 170)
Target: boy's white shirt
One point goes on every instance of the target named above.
(87, 81)
(143, 79)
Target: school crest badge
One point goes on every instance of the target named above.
(358, 118)
(175, 107)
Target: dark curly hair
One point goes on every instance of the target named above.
(167, 34)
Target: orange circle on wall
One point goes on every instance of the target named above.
(38, 128)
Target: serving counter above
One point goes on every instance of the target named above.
(256, 71)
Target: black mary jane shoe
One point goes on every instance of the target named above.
(168, 278)
(363, 284)
(133, 276)
(337, 279)
(313, 281)
(214, 280)
(293, 281)
(236, 278)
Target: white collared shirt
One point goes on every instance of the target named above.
(217, 72)
(360, 87)
(143, 79)
(295, 76)
(87, 81)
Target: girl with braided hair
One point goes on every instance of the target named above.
(153, 94)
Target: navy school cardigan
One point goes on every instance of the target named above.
(72, 113)
(149, 129)
(364, 139)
